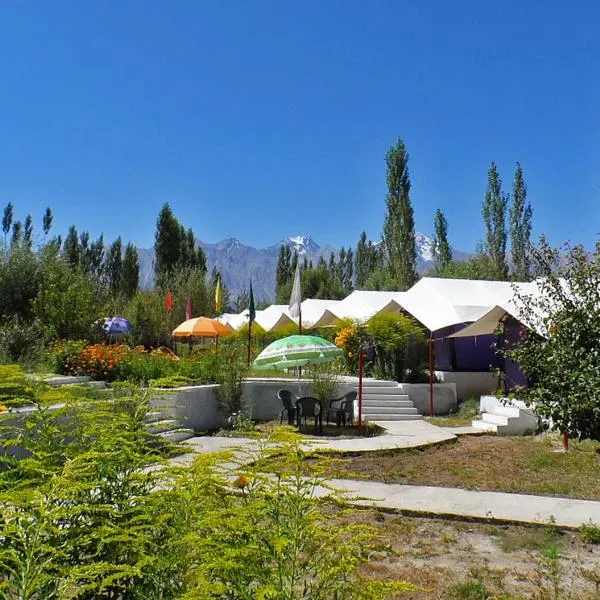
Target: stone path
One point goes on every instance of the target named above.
(455, 502)
(425, 500)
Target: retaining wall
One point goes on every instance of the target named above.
(444, 397)
(470, 384)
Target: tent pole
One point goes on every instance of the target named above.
(360, 387)
(430, 376)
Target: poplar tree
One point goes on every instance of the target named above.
(520, 228)
(95, 257)
(494, 217)
(348, 270)
(17, 234)
(71, 251)
(167, 244)
(7, 220)
(47, 221)
(130, 272)
(114, 266)
(399, 224)
(28, 232)
(442, 253)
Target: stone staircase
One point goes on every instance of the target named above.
(384, 401)
(163, 422)
(504, 416)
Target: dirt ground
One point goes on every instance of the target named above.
(474, 561)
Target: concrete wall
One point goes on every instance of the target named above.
(470, 384)
(444, 397)
(198, 406)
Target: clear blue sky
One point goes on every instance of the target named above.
(260, 119)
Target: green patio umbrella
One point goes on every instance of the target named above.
(297, 351)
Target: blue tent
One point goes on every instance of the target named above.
(117, 326)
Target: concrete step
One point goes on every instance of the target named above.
(378, 390)
(485, 426)
(507, 411)
(378, 383)
(384, 397)
(495, 419)
(372, 402)
(177, 435)
(163, 426)
(382, 410)
(156, 415)
(386, 417)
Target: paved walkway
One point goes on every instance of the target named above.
(425, 500)
(459, 503)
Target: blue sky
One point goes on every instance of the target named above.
(260, 119)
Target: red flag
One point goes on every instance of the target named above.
(188, 309)
(169, 301)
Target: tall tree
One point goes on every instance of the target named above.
(520, 228)
(71, 250)
(399, 224)
(130, 273)
(348, 270)
(17, 234)
(47, 221)
(442, 253)
(340, 264)
(7, 220)
(28, 232)
(95, 257)
(167, 243)
(114, 266)
(494, 217)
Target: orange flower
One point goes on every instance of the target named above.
(242, 481)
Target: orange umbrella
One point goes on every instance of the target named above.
(202, 327)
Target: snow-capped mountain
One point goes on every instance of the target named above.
(239, 263)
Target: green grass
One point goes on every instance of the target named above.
(462, 417)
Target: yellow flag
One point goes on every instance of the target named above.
(218, 296)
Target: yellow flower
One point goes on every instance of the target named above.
(242, 481)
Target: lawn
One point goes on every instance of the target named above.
(533, 465)
(470, 561)
(464, 415)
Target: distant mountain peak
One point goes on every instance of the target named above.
(303, 244)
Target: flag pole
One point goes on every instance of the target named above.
(249, 340)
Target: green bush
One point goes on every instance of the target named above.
(174, 381)
(143, 367)
(59, 354)
(590, 533)
(20, 341)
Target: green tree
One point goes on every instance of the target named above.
(71, 249)
(494, 217)
(318, 282)
(348, 270)
(7, 220)
(399, 224)
(559, 354)
(369, 259)
(130, 273)
(69, 301)
(167, 244)
(95, 257)
(20, 275)
(114, 267)
(520, 228)
(47, 221)
(476, 267)
(28, 232)
(441, 248)
(17, 234)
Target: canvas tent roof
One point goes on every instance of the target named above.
(438, 303)
(360, 306)
(315, 309)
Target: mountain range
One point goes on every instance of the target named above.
(239, 263)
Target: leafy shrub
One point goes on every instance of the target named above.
(230, 375)
(590, 533)
(21, 341)
(324, 378)
(99, 361)
(60, 353)
(174, 381)
(15, 388)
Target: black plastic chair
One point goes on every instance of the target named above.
(342, 410)
(287, 404)
(309, 408)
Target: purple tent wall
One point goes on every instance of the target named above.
(470, 354)
(514, 376)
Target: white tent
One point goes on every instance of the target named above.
(313, 310)
(274, 317)
(438, 303)
(360, 306)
